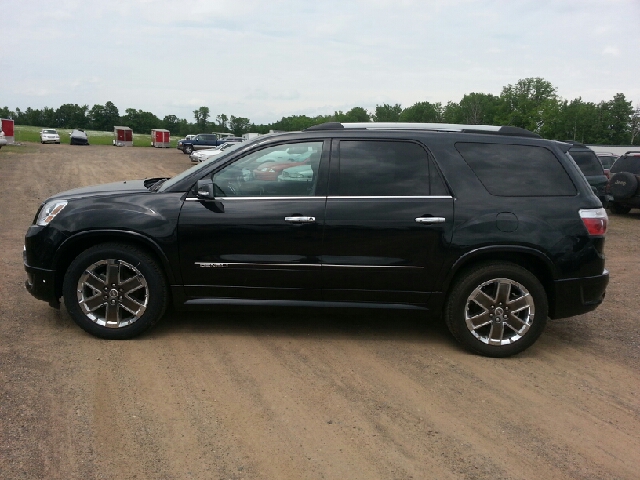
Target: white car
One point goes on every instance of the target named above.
(300, 173)
(3, 141)
(203, 155)
(49, 135)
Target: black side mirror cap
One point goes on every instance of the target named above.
(204, 189)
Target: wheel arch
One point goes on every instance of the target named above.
(76, 244)
(532, 260)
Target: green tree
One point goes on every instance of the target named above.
(239, 125)
(422, 112)
(387, 113)
(635, 126)
(616, 120)
(523, 104)
(140, 121)
(476, 109)
(355, 115)
(222, 122)
(201, 115)
(72, 116)
(6, 113)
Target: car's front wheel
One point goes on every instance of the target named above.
(188, 150)
(115, 291)
(497, 309)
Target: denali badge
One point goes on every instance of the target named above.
(211, 265)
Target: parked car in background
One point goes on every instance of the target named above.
(49, 135)
(203, 141)
(624, 183)
(492, 229)
(202, 155)
(592, 169)
(607, 160)
(301, 173)
(79, 137)
(3, 140)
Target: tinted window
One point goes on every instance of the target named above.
(517, 170)
(378, 168)
(587, 161)
(629, 164)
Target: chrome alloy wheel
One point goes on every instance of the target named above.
(112, 293)
(499, 312)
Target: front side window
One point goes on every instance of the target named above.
(282, 170)
(383, 168)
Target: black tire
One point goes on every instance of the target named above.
(500, 286)
(623, 185)
(618, 209)
(187, 150)
(120, 307)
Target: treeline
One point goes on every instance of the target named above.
(532, 103)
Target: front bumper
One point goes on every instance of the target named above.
(575, 296)
(41, 284)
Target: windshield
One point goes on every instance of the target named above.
(49, 131)
(173, 180)
(588, 162)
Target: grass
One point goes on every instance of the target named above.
(26, 133)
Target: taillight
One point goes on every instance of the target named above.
(595, 219)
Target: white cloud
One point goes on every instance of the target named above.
(613, 51)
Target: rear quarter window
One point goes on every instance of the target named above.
(517, 170)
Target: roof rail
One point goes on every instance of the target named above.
(438, 127)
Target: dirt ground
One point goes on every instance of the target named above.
(279, 394)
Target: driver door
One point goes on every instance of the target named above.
(261, 237)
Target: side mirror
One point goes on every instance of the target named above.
(204, 189)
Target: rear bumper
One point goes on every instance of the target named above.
(575, 296)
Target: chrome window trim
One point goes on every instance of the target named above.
(332, 197)
(379, 197)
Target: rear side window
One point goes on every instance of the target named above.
(517, 170)
(587, 161)
(383, 168)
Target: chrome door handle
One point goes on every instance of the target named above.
(300, 219)
(430, 220)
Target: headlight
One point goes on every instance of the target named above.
(49, 211)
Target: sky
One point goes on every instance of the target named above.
(268, 59)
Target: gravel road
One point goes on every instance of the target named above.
(293, 394)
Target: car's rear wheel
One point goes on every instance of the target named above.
(115, 291)
(497, 309)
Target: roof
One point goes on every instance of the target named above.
(438, 127)
(121, 128)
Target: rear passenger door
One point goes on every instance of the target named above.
(388, 220)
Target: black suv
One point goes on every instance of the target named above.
(624, 184)
(592, 169)
(453, 220)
